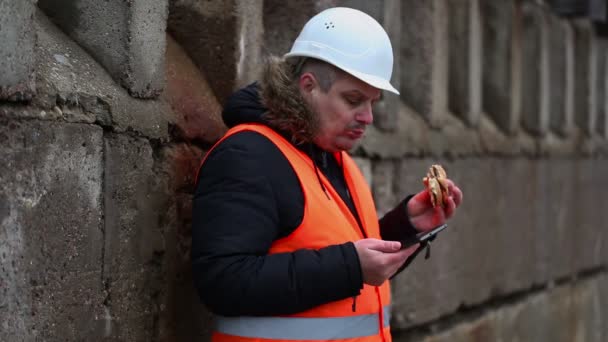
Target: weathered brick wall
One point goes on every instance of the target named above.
(106, 111)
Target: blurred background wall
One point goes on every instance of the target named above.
(108, 106)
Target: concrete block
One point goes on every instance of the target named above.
(502, 41)
(17, 53)
(181, 162)
(602, 115)
(74, 87)
(196, 110)
(410, 138)
(133, 204)
(568, 127)
(454, 139)
(365, 165)
(535, 117)
(585, 115)
(138, 207)
(475, 259)
(555, 145)
(414, 138)
(68, 306)
(598, 85)
(383, 188)
(424, 58)
(223, 38)
(495, 141)
(126, 37)
(182, 317)
(51, 228)
(133, 304)
(387, 110)
(566, 313)
(283, 21)
(465, 53)
(554, 106)
(602, 329)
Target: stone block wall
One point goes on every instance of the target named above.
(106, 109)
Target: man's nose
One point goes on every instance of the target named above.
(366, 115)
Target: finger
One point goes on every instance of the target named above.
(450, 207)
(419, 203)
(398, 258)
(457, 193)
(438, 217)
(385, 246)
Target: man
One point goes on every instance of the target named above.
(286, 244)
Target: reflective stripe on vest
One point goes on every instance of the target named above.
(299, 328)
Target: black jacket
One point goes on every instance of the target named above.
(248, 196)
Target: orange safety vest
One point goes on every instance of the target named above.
(325, 222)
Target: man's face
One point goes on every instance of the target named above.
(344, 112)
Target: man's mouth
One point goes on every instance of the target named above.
(356, 133)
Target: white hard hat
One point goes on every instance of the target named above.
(350, 40)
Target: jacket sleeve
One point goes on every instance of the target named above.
(235, 221)
(395, 225)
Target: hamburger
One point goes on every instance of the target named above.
(437, 185)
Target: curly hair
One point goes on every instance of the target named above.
(287, 111)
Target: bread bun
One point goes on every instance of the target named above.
(437, 185)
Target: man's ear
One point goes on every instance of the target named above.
(308, 83)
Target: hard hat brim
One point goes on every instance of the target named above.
(372, 80)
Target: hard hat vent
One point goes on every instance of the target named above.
(329, 25)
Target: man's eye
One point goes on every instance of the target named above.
(353, 101)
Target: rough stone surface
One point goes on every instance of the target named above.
(568, 126)
(134, 241)
(583, 71)
(183, 161)
(383, 186)
(183, 318)
(424, 58)
(197, 113)
(365, 165)
(571, 312)
(51, 233)
(385, 115)
(554, 105)
(223, 38)
(126, 37)
(502, 65)
(414, 137)
(74, 87)
(599, 88)
(602, 120)
(465, 60)
(410, 138)
(554, 70)
(475, 260)
(283, 21)
(535, 114)
(495, 141)
(17, 53)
